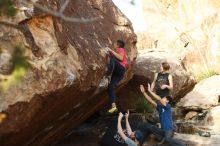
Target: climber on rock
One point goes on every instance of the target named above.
(116, 70)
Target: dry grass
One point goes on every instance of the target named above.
(205, 75)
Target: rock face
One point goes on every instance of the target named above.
(205, 55)
(5, 63)
(196, 140)
(204, 95)
(189, 29)
(149, 62)
(190, 115)
(212, 120)
(201, 108)
(68, 62)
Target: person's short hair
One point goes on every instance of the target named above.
(168, 98)
(165, 66)
(121, 43)
(139, 136)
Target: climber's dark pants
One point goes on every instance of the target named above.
(160, 134)
(117, 72)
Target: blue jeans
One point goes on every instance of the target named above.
(117, 72)
(168, 134)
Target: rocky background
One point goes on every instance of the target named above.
(188, 29)
(186, 35)
(63, 87)
(53, 99)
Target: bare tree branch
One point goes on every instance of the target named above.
(63, 7)
(27, 34)
(10, 24)
(60, 13)
(52, 13)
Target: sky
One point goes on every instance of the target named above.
(134, 12)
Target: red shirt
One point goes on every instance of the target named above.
(124, 61)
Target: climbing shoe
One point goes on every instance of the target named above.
(113, 109)
(2, 117)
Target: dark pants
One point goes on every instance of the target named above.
(117, 73)
(160, 134)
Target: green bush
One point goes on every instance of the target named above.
(20, 68)
(7, 8)
(143, 106)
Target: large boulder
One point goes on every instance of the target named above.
(62, 88)
(204, 95)
(189, 29)
(203, 56)
(212, 120)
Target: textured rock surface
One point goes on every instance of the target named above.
(212, 120)
(204, 95)
(196, 140)
(190, 115)
(6, 64)
(68, 62)
(189, 29)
